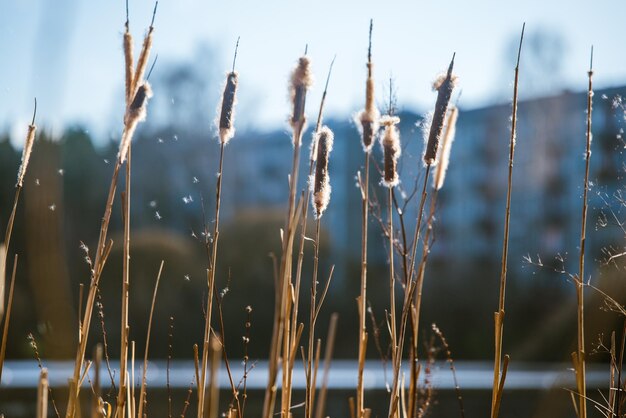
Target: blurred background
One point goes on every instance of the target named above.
(68, 54)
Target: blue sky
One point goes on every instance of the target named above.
(68, 52)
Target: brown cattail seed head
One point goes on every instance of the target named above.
(138, 107)
(128, 64)
(136, 113)
(301, 80)
(142, 62)
(227, 112)
(367, 119)
(390, 143)
(444, 86)
(446, 146)
(320, 183)
(28, 149)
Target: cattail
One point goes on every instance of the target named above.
(444, 85)
(368, 118)
(320, 183)
(301, 80)
(446, 145)
(128, 61)
(227, 112)
(28, 149)
(390, 142)
(142, 62)
(136, 113)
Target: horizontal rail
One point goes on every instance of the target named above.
(343, 374)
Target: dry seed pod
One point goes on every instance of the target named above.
(128, 63)
(136, 113)
(28, 149)
(444, 86)
(227, 112)
(320, 183)
(142, 62)
(390, 143)
(446, 146)
(368, 118)
(301, 80)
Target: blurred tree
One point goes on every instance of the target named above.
(186, 92)
(541, 65)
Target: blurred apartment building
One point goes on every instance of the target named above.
(547, 180)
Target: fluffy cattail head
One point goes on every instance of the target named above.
(444, 86)
(320, 183)
(390, 143)
(28, 149)
(136, 113)
(138, 107)
(301, 80)
(367, 119)
(227, 112)
(446, 146)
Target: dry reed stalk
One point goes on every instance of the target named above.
(246, 358)
(320, 187)
(97, 390)
(328, 354)
(304, 216)
(438, 181)
(33, 346)
(612, 372)
(213, 401)
(3, 261)
(450, 360)
(226, 133)
(135, 113)
(142, 392)
(170, 343)
(498, 381)
(432, 134)
(390, 143)
(498, 400)
(42, 394)
(579, 355)
(7, 318)
(397, 364)
(4, 248)
(301, 80)
(412, 303)
(440, 106)
(368, 119)
(187, 401)
(131, 386)
(219, 299)
(125, 326)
